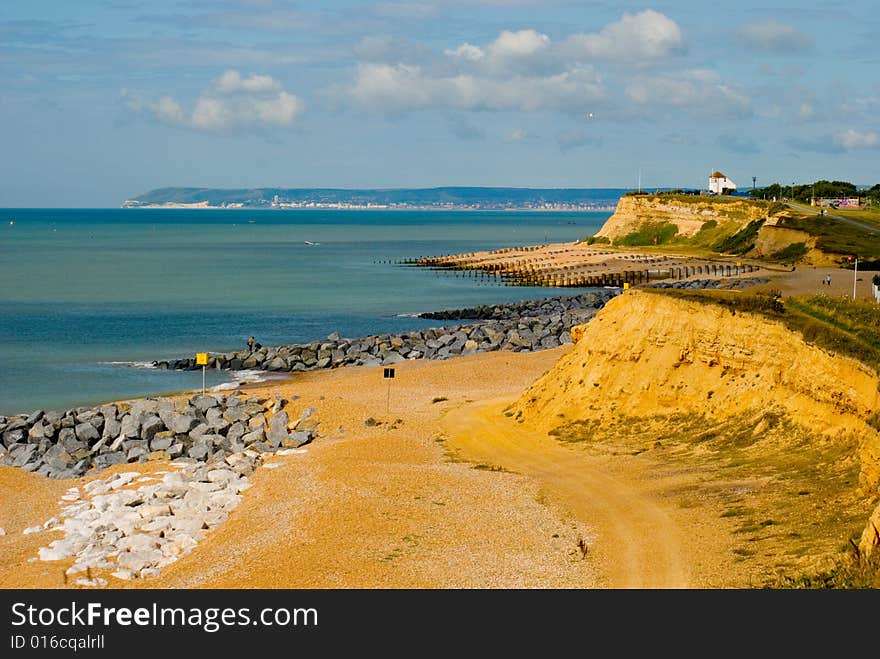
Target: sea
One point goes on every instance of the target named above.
(90, 297)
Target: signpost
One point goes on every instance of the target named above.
(388, 374)
(202, 360)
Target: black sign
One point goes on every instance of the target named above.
(389, 373)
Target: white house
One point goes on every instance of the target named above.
(720, 184)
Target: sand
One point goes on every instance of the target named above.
(439, 494)
(363, 507)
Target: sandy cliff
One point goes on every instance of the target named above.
(650, 355)
(688, 214)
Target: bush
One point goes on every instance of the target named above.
(790, 254)
(652, 233)
(742, 241)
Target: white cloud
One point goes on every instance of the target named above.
(232, 102)
(169, 110)
(773, 36)
(519, 70)
(400, 87)
(806, 111)
(648, 35)
(517, 135)
(698, 91)
(852, 139)
(231, 82)
(467, 52)
(524, 43)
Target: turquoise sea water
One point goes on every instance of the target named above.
(86, 293)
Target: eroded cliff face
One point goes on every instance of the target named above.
(773, 238)
(650, 355)
(689, 215)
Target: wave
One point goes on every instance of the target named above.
(251, 376)
(131, 364)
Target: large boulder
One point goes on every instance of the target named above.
(277, 432)
(182, 423)
(86, 432)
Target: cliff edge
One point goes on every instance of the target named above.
(738, 387)
(689, 214)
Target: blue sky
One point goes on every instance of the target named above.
(103, 100)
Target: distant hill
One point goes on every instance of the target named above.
(443, 197)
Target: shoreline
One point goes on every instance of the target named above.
(579, 209)
(394, 480)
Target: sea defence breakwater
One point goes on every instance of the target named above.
(518, 327)
(579, 264)
(204, 428)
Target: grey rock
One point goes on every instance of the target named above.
(278, 428)
(21, 454)
(38, 432)
(11, 437)
(300, 438)
(86, 432)
(68, 440)
(150, 426)
(131, 426)
(34, 417)
(107, 459)
(144, 406)
(254, 436)
(199, 451)
(236, 431)
(161, 443)
(57, 458)
(112, 427)
(204, 402)
(182, 423)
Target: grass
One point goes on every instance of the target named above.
(482, 466)
(790, 254)
(742, 241)
(836, 237)
(788, 495)
(651, 233)
(865, 215)
(849, 572)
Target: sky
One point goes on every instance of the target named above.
(102, 100)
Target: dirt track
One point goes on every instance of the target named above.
(637, 538)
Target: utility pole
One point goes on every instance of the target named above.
(855, 272)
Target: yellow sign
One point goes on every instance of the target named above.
(201, 358)
(625, 285)
(739, 264)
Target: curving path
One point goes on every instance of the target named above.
(636, 541)
(839, 218)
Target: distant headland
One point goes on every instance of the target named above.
(442, 198)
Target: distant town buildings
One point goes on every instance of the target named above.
(835, 202)
(720, 184)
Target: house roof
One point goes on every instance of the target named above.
(717, 174)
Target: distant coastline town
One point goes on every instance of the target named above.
(449, 198)
(303, 205)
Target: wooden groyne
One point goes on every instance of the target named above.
(570, 265)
